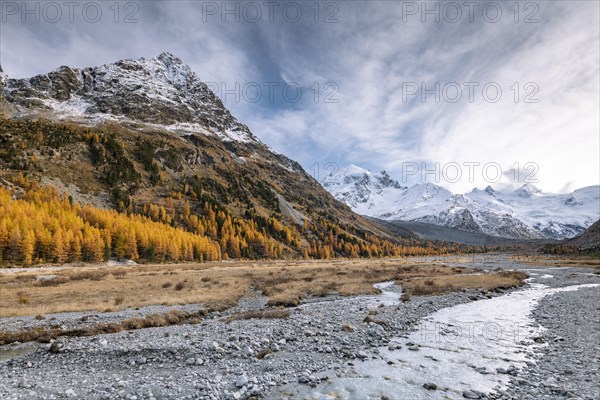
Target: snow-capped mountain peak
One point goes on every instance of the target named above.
(352, 170)
(361, 188)
(427, 191)
(489, 190)
(527, 190)
(162, 90)
(524, 213)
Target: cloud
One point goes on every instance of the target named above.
(373, 51)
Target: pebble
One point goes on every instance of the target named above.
(241, 380)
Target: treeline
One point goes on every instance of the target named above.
(562, 248)
(44, 226)
(254, 236)
(39, 225)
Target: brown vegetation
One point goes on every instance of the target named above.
(558, 261)
(173, 317)
(450, 283)
(258, 314)
(263, 353)
(222, 284)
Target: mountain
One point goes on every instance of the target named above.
(589, 240)
(161, 90)
(553, 216)
(447, 234)
(140, 134)
(361, 189)
(525, 213)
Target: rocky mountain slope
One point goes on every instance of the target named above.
(526, 213)
(161, 90)
(142, 133)
(589, 240)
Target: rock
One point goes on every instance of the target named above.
(469, 394)
(190, 361)
(511, 370)
(247, 350)
(56, 347)
(70, 393)
(430, 386)
(241, 380)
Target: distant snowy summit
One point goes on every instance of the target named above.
(525, 213)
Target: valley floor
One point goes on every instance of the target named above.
(320, 349)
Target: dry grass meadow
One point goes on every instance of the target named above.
(220, 285)
(558, 261)
(544, 261)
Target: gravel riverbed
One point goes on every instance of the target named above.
(323, 339)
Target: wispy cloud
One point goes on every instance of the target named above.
(370, 54)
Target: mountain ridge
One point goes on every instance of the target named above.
(161, 90)
(524, 213)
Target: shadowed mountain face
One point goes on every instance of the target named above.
(589, 240)
(526, 213)
(163, 135)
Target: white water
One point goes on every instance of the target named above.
(387, 297)
(492, 333)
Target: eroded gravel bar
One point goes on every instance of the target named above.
(569, 366)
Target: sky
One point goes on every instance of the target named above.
(455, 93)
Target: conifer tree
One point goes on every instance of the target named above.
(59, 246)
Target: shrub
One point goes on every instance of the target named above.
(59, 280)
(259, 314)
(263, 353)
(22, 298)
(119, 300)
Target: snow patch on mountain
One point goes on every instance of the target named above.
(76, 106)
